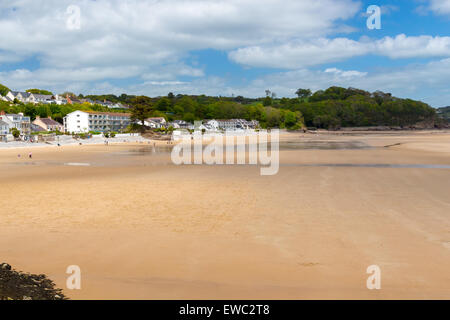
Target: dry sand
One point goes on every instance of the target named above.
(142, 228)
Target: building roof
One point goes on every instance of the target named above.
(109, 113)
(50, 122)
(157, 119)
(179, 121)
(23, 94)
(42, 96)
(36, 128)
(17, 115)
(3, 123)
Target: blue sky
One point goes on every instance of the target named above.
(232, 47)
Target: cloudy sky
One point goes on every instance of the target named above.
(226, 47)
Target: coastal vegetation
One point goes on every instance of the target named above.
(4, 90)
(444, 113)
(39, 91)
(332, 108)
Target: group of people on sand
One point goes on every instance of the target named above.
(30, 155)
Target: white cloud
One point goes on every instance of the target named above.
(345, 74)
(299, 54)
(171, 72)
(150, 32)
(426, 82)
(440, 6)
(409, 47)
(148, 39)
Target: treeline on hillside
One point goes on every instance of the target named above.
(4, 90)
(339, 107)
(191, 108)
(444, 113)
(333, 108)
(129, 99)
(39, 91)
(330, 109)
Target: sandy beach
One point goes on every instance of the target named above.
(140, 227)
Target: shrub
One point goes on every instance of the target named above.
(15, 132)
(4, 90)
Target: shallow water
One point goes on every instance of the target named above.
(324, 145)
(160, 155)
(371, 165)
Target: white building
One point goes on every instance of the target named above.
(151, 124)
(85, 121)
(76, 122)
(232, 124)
(21, 96)
(109, 105)
(18, 121)
(4, 128)
(40, 98)
(6, 98)
(213, 124)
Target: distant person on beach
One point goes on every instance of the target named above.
(30, 155)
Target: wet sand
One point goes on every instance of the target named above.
(140, 227)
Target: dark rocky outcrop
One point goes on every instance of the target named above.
(16, 285)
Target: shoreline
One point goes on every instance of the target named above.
(17, 145)
(95, 141)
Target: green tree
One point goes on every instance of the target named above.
(39, 91)
(43, 111)
(30, 111)
(15, 132)
(141, 110)
(163, 104)
(303, 93)
(4, 90)
(273, 117)
(187, 104)
(267, 102)
(290, 119)
(189, 117)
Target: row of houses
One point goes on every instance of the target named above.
(27, 97)
(23, 124)
(87, 121)
(232, 124)
(209, 125)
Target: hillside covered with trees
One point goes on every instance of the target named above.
(444, 113)
(333, 108)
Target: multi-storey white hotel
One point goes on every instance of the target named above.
(85, 121)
